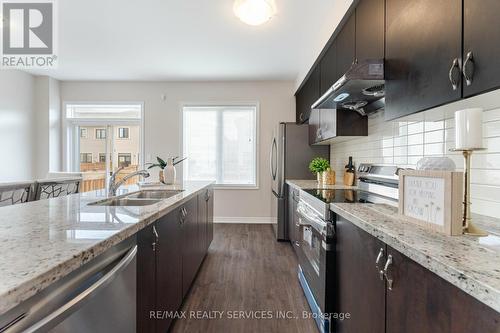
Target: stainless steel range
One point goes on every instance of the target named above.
(316, 239)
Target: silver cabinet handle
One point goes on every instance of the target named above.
(468, 68)
(388, 277)
(157, 237)
(454, 74)
(377, 264)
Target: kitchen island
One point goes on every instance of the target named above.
(44, 241)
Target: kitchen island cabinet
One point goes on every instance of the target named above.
(170, 253)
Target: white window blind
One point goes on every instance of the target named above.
(220, 143)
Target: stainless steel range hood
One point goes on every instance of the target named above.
(360, 89)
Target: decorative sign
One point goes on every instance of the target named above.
(432, 199)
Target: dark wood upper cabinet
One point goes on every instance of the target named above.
(346, 46)
(423, 49)
(370, 20)
(421, 301)
(168, 267)
(361, 292)
(328, 66)
(482, 40)
(307, 95)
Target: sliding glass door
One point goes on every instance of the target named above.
(101, 138)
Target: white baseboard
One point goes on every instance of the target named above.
(245, 219)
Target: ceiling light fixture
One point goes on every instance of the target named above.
(254, 12)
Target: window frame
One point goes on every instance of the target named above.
(100, 130)
(84, 130)
(129, 155)
(252, 104)
(86, 157)
(71, 139)
(124, 137)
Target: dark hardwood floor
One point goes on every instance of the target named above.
(246, 269)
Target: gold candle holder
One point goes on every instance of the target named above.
(468, 226)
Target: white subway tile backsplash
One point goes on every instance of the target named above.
(434, 136)
(431, 133)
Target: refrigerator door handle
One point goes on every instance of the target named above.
(273, 157)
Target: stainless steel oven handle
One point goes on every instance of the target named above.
(312, 219)
(87, 293)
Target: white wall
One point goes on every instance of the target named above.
(431, 133)
(48, 126)
(163, 132)
(323, 33)
(17, 125)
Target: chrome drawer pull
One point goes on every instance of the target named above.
(377, 264)
(388, 278)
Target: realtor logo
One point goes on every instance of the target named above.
(28, 34)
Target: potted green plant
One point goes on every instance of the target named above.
(167, 173)
(318, 165)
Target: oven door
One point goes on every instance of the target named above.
(313, 242)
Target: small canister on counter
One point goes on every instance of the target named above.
(328, 177)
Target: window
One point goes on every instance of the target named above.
(124, 159)
(123, 132)
(220, 143)
(83, 133)
(100, 133)
(86, 158)
(103, 122)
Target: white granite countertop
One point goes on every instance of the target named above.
(470, 263)
(43, 241)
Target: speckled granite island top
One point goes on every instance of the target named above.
(43, 241)
(470, 263)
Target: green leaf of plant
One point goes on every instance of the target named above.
(160, 160)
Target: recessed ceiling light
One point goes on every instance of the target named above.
(254, 12)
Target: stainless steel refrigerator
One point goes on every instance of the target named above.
(290, 157)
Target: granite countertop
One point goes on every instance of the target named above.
(313, 184)
(43, 241)
(470, 263)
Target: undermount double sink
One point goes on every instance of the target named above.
(141, 198)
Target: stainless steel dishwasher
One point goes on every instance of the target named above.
(98, 297)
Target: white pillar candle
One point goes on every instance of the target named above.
(469, 129)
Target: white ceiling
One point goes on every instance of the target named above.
(180, 40)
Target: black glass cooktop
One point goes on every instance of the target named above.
(338, 195)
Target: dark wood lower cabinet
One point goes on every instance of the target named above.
(146, 280)
(210, 217)
(168, 267)
(190, 251)
(417, 300)
(170, 252)
(421, 301)
(361, 293)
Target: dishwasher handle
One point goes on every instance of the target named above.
(81, 298)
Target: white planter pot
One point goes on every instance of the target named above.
(169, 174)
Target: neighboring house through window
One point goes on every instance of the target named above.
(83, 133)
(123, 132)
(124, 159)
(86, 158)
(100, 133)
(102, 157)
